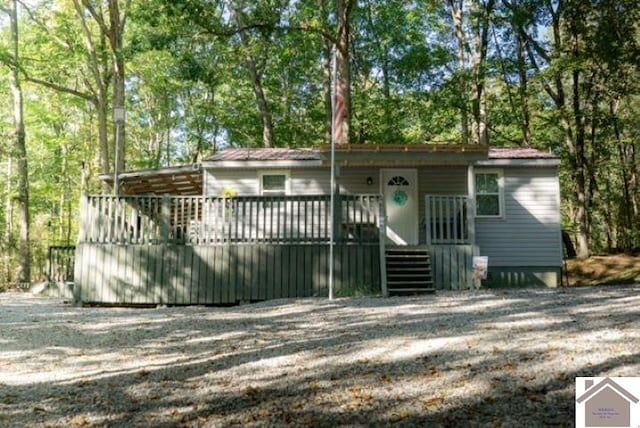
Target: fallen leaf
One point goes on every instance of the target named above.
(251, 392)
(510, 366)
(433, 402)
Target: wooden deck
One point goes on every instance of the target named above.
(202, 250)
(196, 250)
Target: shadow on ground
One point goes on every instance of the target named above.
(487, 358)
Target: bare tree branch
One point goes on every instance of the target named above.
(95, 15)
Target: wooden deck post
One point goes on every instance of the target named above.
(337, 215)
(473, 283)
(165, 219)
(427, 219)
(382, 237)
(471, 205)
(84, 217)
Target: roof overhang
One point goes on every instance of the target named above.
(389, 155)
(176, 180)
(262, 164)
(549, 162)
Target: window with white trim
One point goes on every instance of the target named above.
(274, 183)
(489, 189)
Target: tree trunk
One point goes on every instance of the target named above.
(343, 65)
(103, 132)
(627, 207)
(256, 80)
(99, 91)
(326, 71)
(7, 246)
(116, 31)
(634, 182)
(523, 90)
(457, 15)
(479, 102)
(263, 105)
(20, 153)
(580, 158)
(574, 138)
(382, 49)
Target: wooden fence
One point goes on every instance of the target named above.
(60, 260)
(200, 250)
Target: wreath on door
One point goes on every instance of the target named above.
(400, 197)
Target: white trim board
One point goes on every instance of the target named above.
(518, 162)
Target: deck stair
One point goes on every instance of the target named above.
(408, 271)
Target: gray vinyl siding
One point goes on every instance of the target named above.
(441, 180)
(308, 181)
(243, 181)
(438, 180)
(529, 232)
(354, 180)
(431, 180)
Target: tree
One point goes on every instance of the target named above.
(111, 28)
(471, 24)
(19, 149)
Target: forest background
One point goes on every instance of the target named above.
(195, 76)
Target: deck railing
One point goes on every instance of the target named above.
(60, 259)
(447, 219)
(243, 219)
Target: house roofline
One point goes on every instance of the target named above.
(262, 164)
(519, 162)
(414, 148)
(604, 383)
(167, 170)
(183, 179)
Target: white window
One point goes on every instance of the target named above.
(489, 187)
(274, 183)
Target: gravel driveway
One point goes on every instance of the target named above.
(484, 358)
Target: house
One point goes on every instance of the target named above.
(407, 219)
(606, 404)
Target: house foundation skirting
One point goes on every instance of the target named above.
(220, 274)
(523, 276)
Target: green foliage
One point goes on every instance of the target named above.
(360, 290)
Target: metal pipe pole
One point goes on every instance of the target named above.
(115, 166)
(118, 117)
(333, 171)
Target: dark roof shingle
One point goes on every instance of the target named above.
(263, 154)
(246, 154)
(518, 153)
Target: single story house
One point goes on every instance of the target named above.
(254, 224)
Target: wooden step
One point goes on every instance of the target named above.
(410, 284)
(411, 291)
(409, 271)
(408, 277)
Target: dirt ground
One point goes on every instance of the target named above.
(603, 270)
(481, 358)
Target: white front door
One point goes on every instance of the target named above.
(400, 190)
